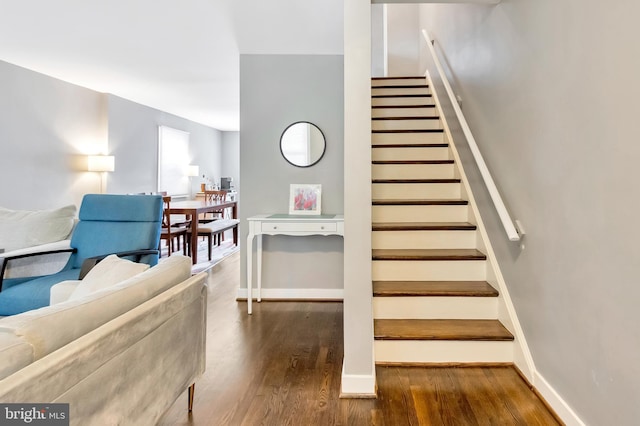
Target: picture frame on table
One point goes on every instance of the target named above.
(305, 199)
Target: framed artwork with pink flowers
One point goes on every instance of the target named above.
(305, 199)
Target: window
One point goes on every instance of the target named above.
(173, 159)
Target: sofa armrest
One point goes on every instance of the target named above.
(62, 291)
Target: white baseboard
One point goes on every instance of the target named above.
(358, 385)
(295, 293)
(559, 405)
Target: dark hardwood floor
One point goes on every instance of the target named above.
(282, 366)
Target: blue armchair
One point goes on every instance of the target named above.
(127, 225)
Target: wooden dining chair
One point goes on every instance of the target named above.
(213, 197)
(171, 233)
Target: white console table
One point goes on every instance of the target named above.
(284, 224)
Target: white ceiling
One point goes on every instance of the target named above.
(177, 56)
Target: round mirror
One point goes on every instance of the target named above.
(302, 144)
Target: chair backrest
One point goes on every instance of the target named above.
(212, 196)
(116, 223)
(166, 205)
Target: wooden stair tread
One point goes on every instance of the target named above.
(404, 106)
(410, 95)
(404, 77)
(453, 180)
(412, 162)
(419, 202)
(410, 145)
(434, 288)
(409, 131)
(401, 86)
(423, 226)
(435, 117)
(427, 254)
(430, 329)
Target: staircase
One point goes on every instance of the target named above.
(431, 299)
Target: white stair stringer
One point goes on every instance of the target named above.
(399, 91)
(442, 352)
(416, 213)
(412, 171)
(419, 111)
(401, 100)
(415, 153)
(435, 307)
(406, 124)
(432, 270)
(401, 191)
(397, 81)
(423, 239)
(404, 150)
(393, 138)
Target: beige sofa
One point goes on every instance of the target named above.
(121, 355)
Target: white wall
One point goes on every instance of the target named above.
(275, 91)
(403, 42)
(550, 90)
(47, 127)
(133, 140)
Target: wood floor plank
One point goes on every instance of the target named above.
(282, 366)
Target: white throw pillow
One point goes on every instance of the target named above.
(23, 228)
(110, 271)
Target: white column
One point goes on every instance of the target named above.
(358, 370)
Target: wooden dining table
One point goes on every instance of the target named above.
(192, 209)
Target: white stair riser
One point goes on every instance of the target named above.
(412, 171)
(420, 213)
(403, 112)
(404, 138)
(421, 191)
(393, 101)
(435, 307)
(429, 270)
(406, 124)
(424, 239)
(398, 81)
(390, 154)
(400, 91)
(438, 351)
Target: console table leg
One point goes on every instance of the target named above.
(259, 270)
(249, 271)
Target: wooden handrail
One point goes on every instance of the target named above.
(510, 228)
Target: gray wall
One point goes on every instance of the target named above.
(275, 91)
(47, 127)
(550, 89)
(133, 140)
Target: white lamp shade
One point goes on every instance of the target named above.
(193, 170)
(101, 163)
